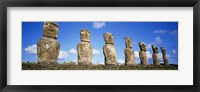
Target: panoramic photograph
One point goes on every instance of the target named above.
(105, 45)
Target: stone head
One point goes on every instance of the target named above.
(85, 35)
(108, 37)
(155, 49)
(142, 46)
(50, 29)
(163, 50)
(128, 42)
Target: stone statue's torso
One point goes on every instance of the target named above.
(129, 56)
(165, 59)
(84, 53)
(164, 54)
(48, 50)
(110, 54)
(143, 57)
(156, 59)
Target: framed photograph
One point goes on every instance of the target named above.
(106, 45)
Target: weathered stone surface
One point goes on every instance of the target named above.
(48, 50)
(142, 54)
(85, 35)
(48, 47)
(108, 37)
(156, 59)
(164, 54)
(128, 42)
(109, 49)
(110, 54)
(84, 49)
(129, 54)
(50, 29)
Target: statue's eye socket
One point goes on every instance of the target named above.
(51, 30)
(54, 24)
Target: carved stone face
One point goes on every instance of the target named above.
(85, 35)
(50, 29)
(163, 50)
(155, 49)
(142, 46)
(108, 37)
(128, 42)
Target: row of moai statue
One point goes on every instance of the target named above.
(156, 61)
(48, 48)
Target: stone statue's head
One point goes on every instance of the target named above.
(85, 35)
(163, 50)
(142, 46)
(108, 37)
(50, 29)
(154, 48)
(128, 42)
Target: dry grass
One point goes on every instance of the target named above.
(73, 66)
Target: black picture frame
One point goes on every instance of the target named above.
(100, 3)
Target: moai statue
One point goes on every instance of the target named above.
(143, 54)
(109, 49)
(164, 54)
(84, 49)
(129, 54)
(48, 47)
(156, 59)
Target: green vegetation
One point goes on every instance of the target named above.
(74, 66)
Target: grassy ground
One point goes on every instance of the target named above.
(73, 66)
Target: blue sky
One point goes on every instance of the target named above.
(162, 34)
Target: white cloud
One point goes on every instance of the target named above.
(63, 55)
(158, 40)
(149, 55)
(136, 53)
(174, 51)
(72, 51)
(98, 24)
(100, 62)
(159, 31)
(160, 56)
(75, 60)
(32, 49)
(148, 46)
(174, 32)
(120, 61)
(95, 62)
(96, 52)
(168, 56)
